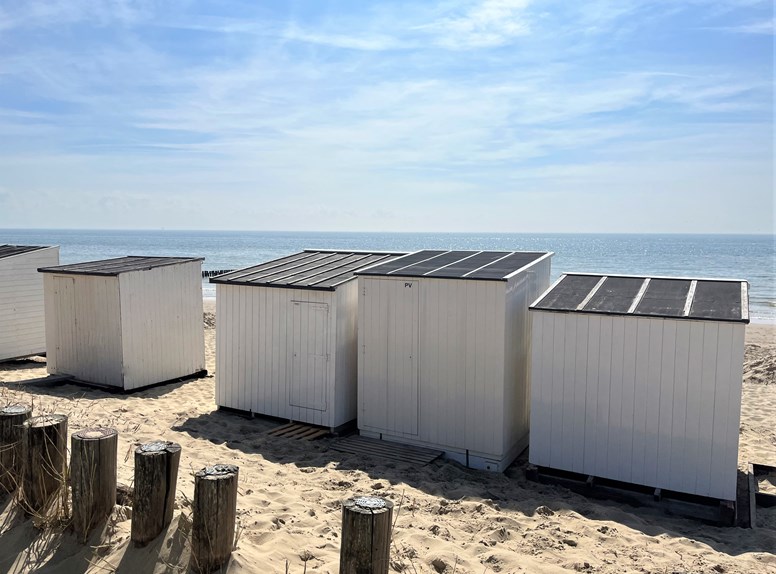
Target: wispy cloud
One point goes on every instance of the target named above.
(767, 27)
(447, 104)
(485, 24)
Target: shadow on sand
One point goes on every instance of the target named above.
(453, 482)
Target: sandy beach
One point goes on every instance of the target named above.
(448, 518)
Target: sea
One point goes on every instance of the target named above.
(749, 257)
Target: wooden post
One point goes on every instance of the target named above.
(45, 463)
(156, 474)
(366, 535)
(215, 510)
(92, 477)
(12, 418)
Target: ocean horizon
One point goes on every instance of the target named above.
(748, 257)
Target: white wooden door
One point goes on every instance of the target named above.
(390, 354)
(309, 361)
(64, 294)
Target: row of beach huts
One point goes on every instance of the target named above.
(634, 379)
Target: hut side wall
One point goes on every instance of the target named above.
(521, 291)
(161, 323)
(649, 401)
(458, 358)
(83, 327)
(22, 315)
(254, 352)
(346, 354)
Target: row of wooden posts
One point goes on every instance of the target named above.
(33, 462)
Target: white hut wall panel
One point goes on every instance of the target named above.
(522, 289)
(83, 327)
(345, 358)
(22, 315)
(647, 401)
(161, 322)
(275, 350)
(433, 362)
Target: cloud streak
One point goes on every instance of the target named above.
(459, 104)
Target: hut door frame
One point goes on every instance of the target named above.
(309, 355)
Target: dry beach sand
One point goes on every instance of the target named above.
(450, 519)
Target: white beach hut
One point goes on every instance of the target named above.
(638, 379)
(286, 336)
(128, 322)
(444, 341)
(22, 331)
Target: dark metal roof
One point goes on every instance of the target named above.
(11, 250)
(667, 297)
(119, 265)
(318, 269)
(478, 265)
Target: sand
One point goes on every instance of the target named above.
(449, 519)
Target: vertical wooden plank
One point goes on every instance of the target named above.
(614, 463)
(604, 390)
(652, 428)
(430, 351)
(459, 372)
(708, 380)
(591, 394)
(678, 463)
(579, 371)
(568, 397)
(729, 463)
(557, 411)
(693, 422)
(629, 352)
(666, 405)
(219, 374)
(471, 362)
(497, 362)
(720, 474)
(537, 444)
(642, 390)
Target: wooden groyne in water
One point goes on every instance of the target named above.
(207, 274)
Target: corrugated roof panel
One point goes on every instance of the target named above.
(429, 265)
(405, 261)
(346, 272)
(289, 273)
(616, 295)
(501, 268)
(469, 264)
(664, 297)
(717, 300)
(266, 267)
(310, 269)
(569, 293)
(11, 250)
(478, 265)
(108, 267)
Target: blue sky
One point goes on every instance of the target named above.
(491, 115)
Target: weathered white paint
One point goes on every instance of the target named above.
(22, 318)
(649, 401)
(288, 353)
(127, 331)
(443, 363)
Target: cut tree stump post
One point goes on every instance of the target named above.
(366, 535)
(215, 511)
(12, 418)
(93, 462)
(44, 482)
(156, 473)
